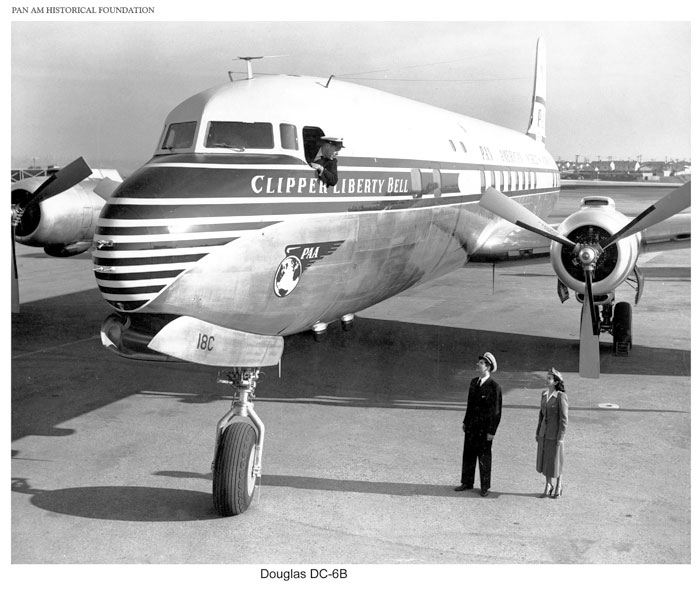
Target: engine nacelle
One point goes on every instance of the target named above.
(59, 221)
(596, 220)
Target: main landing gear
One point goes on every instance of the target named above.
(617, 321)
(239, 444)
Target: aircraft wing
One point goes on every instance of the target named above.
(509, 243)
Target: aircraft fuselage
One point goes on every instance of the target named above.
(240, 233)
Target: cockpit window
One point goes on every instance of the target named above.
(179, 136)
(239, 135)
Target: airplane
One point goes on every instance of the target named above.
(226, 241)
(58, 212)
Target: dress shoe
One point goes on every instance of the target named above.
(559, 491)
(462, 487)
(548, 489)
(484, 492)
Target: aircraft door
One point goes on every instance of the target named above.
(425, 183)
(416, 183)
(437, 184)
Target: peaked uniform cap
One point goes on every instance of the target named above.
(491, 359)
(333, 140)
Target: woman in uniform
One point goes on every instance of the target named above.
(551, 426)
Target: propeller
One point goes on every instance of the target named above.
(587, 255)
(60, 181)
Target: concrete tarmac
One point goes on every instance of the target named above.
(111, 458)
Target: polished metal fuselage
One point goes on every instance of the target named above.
(252, 240)
(161, 249)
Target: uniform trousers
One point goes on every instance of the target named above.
(473, 451)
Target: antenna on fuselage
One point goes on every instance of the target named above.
(327, 83)
(248, 59)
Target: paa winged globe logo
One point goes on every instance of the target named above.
(299, 258)
(287, 276)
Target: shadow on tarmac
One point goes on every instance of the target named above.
(123, 503)
(152, 504)
(60, 369)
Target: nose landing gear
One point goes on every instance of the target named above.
(239, 443)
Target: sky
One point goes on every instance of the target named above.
(102, 89)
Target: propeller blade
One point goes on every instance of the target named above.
(673, 203)
(589, 342)
(496, 202)
(591, 307)
(60, 181)
(14, 279)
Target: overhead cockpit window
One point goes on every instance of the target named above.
(238, 135)
(179, 136)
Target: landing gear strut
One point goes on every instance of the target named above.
(239, 444)
(617, 320)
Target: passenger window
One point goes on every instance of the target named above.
(288, 134)
(179, 136)
(239, 135)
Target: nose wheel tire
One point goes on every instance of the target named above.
(234, 476)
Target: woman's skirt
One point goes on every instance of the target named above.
(550, 457)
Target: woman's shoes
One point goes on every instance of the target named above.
(559, 491)
(548, 489)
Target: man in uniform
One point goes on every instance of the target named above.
(325, 163)
(480, 424)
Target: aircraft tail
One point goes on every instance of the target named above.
(536, 129)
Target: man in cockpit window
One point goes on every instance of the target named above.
(325, 163)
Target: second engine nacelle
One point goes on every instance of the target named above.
(596, 220)
(64, 219)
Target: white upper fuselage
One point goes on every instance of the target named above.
(247, 237)
(372, 123)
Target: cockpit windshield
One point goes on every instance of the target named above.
(239, 135)
(179, 136)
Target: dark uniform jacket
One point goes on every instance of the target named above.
(483, 409)
(330, 170)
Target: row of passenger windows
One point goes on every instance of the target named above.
(520, 180)
(240, 135)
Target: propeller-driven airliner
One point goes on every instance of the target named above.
(227, 240)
